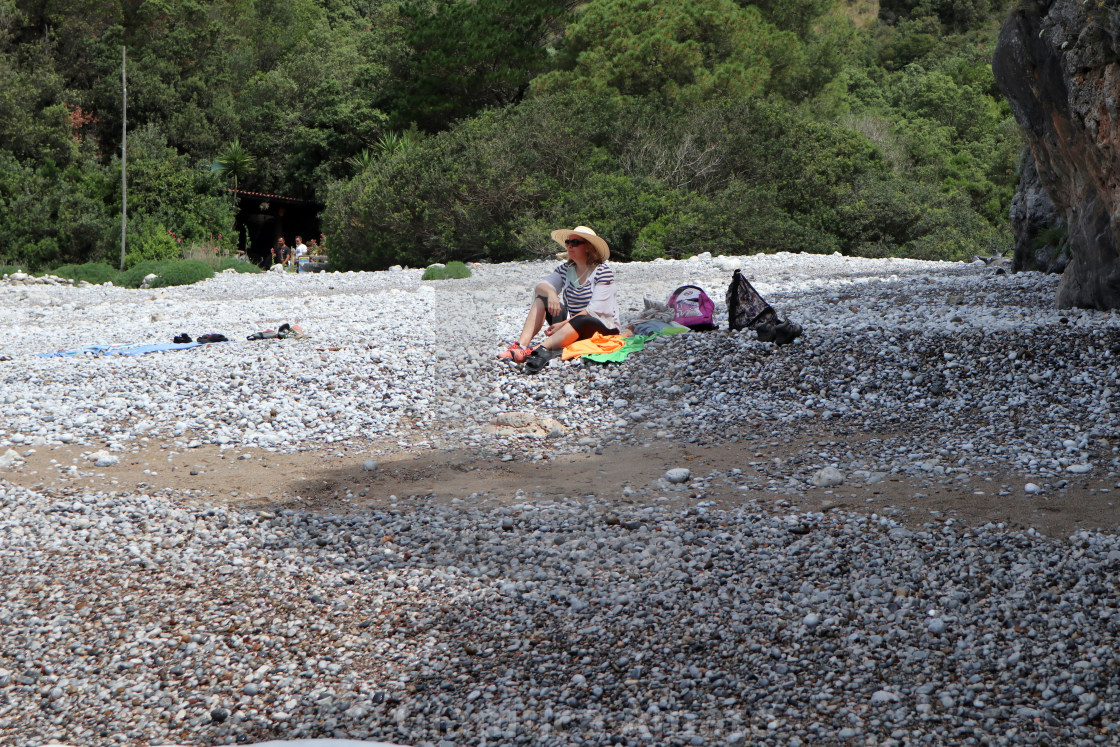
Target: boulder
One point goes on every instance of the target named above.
(1056, 62)
(513, 424)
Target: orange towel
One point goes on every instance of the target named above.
(597, 343)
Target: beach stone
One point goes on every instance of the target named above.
(678, 475)
(104, 459)
(828, 477)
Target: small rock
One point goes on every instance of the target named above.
(829, 477)
(678, 475)
(104, 459)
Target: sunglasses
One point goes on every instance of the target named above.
(574, 242)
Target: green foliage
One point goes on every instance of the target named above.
(451, 271)
(184, 272)
(149, 241)
(464, 194)
(51, 216)
(890, 216)
(798, 16)
(678, 52)
(467, 55)
(91, 272)
(134, 276)
(234, 163)
(672, 128)
(1056, 235)
(953, 15)
(457, 270)
(240, 265)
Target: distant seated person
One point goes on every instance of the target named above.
(301, 249)
(578, 299)
(280, 252)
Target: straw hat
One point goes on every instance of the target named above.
(561, 235)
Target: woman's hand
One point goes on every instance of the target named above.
(554, 306)
(554, 328)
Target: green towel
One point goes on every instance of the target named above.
(631, 344)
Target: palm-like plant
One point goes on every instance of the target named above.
(235, 163)
(362, 161)
(392, 143)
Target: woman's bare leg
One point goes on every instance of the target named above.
(533, 322)
(561, 339)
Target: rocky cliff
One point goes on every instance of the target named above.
(1058, 64)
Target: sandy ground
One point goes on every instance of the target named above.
(334, 480)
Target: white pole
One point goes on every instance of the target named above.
(124, 139)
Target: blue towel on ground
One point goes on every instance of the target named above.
(138, 349)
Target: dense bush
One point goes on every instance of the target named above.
(134, 276)
(451, 271)
(183, 272)
(91, 272)
(240, 265)
(446, 131)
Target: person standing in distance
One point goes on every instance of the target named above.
(280, 252)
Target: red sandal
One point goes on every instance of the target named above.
(509, 352)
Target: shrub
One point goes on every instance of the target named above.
(134, 276)
(184, 272)
(91, 272)
(453, 270)
(149, 241)
(9, 269)
(241, 265)
(457, 270)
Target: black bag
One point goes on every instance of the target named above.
(212, 338)
(745, 308)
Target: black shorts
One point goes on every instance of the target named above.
(586, 326)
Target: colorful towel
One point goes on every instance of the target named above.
(597, 343)
(631, 344)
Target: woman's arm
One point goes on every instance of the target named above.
(552, 297)
(553, 329)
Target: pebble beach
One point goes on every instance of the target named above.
(816, 586)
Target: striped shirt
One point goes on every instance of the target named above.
(596, 294)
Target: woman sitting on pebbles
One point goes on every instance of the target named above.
(590, 301)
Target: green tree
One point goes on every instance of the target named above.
(677, 52)
(467, 55)
(167, 194)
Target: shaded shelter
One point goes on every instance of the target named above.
(263, 218)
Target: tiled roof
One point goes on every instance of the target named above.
(266, 196)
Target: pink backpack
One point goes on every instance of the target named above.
(692, 308)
